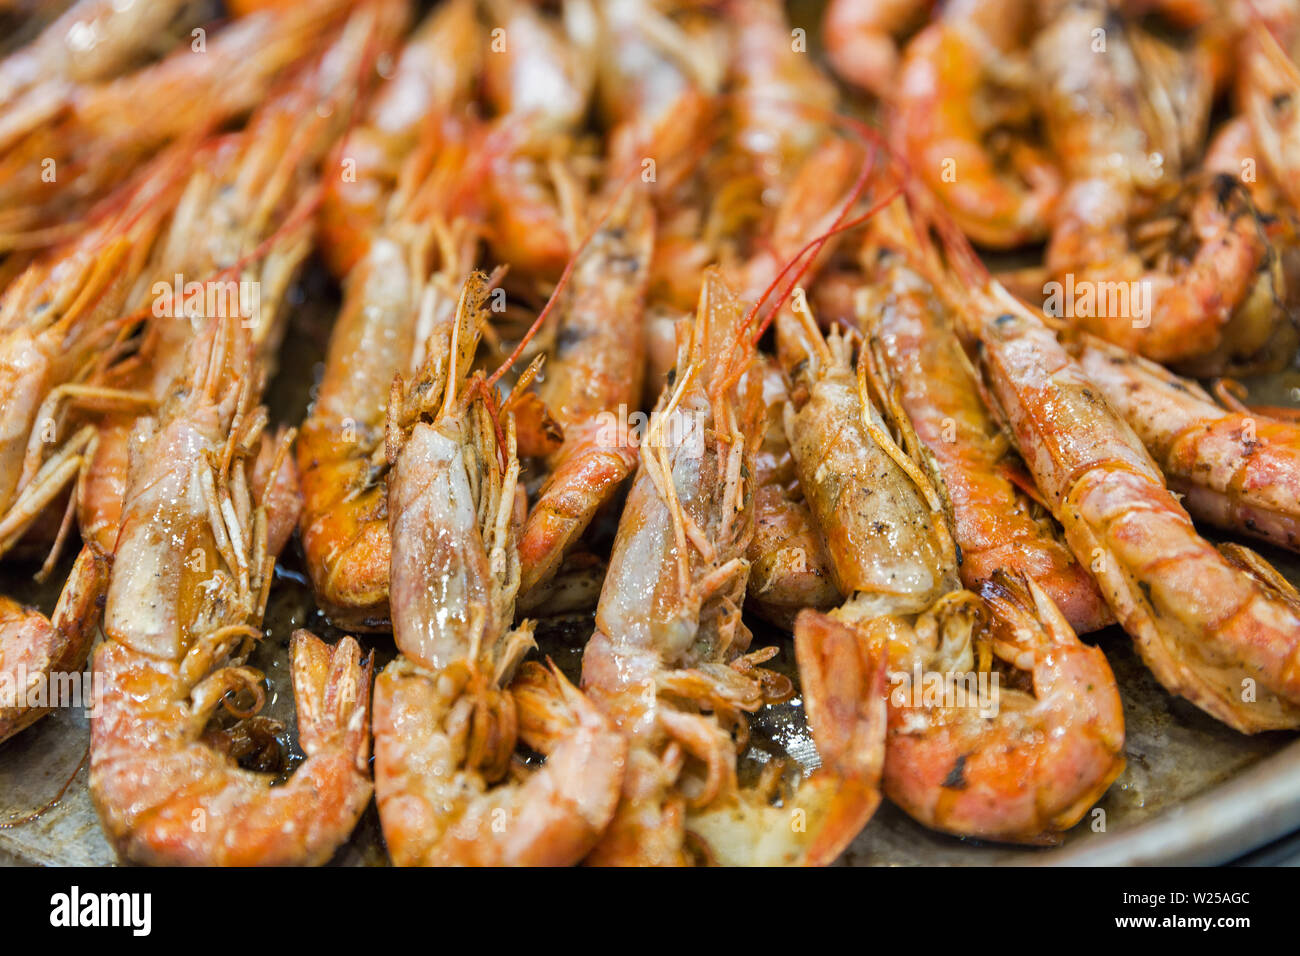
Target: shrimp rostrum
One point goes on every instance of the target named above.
(446, 718)
(185, 601)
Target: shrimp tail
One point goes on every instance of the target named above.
(843, 686)
(331, 687)
(32, 646)
(580, 744)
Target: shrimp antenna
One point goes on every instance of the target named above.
(803, 259)
(871, 140)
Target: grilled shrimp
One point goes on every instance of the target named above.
(1218, 627)
(1125, 121)
(842, 683)
(57, 323)
(108, 129)
(951, 768)
(995, 525)
(1268, 90)
(1015, 766)
(399, 227)
(407, 278)
(661, 67)
(770, 77)
(1212, 300)
(446, 721)
(789, 566)
(886, 541)
(961, 134)
(658, 71)
(1132, 111)
(1231, 152)
(1234, 468)
(432, 81)
(539, 78)
(244, 218)
(862, 38)
(667, 661)
(592, 384)
(34, 649)
(91, 41)
(185, 601)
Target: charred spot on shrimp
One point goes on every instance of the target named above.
(570, 337)
(956, 779)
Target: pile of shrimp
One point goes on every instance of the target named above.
(906, 356)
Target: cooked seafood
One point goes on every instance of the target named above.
(964, 135)
(1218, 626)
(996, 525)
(242, 229)
(1234, 467)
(405, 244)
(592, 384)
(735, 359)
(446, 719)
(190, 580)
(789, 567)
(862, 38)
(668, 659)
(33, 648)
(1022, 768)
(539, 78)
(1032, 770)
(56, 153)
(57, 322)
